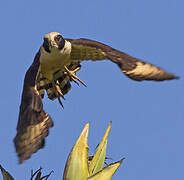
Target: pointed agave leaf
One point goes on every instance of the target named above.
(107, 172)
(77, 165)
(38, 174)
(6, 175)
(97, 162)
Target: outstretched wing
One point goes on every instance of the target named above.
(33, 123)
(134, 68)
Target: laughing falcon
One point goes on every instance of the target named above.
(54, 67)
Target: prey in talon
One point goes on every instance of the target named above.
(52, 71)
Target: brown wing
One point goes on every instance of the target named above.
(134, 68)
(33, 123)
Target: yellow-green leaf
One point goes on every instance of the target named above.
(97, 162)
(6, 175)
(77, 165)
(107, 172)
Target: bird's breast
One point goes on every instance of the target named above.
(50, 63)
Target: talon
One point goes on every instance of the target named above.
(75, 70)
(80, 81)
(74, 80)
(60, 102)
(73, 76)
(58, 92)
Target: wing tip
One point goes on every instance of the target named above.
(164, 76)
(170, 76)
(25, 152)
(176, 77)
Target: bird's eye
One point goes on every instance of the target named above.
(59, 41)
(46, 45)
(58, 38)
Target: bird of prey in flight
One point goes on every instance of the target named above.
(54, 67)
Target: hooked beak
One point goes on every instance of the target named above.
(53, 44)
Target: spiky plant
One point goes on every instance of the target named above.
(37, 175)
(79, 165)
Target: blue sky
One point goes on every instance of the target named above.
(147, 117)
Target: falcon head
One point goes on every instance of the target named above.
(53, 40)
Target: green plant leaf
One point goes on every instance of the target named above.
(6, 175)
(77, 166)
(107, 172)
(97, 162)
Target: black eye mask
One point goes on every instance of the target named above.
(46, 45)
(59, 41)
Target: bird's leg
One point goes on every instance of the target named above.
(57, 92)
(73, 76)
